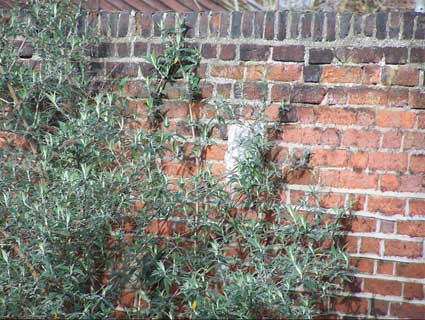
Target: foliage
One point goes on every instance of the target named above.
(90, 211)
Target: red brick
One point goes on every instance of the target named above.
(348, 179)
(351, 244)
(407, 310)
(417, 99)
(362, 224)
(302, 177)
(356, 201)
(341, 74)
(280, 92)
(215, 152)
(370, 245)
(414, 140)
(337, 95)
(308, 94)
(421, 121)
(385, 267)
(288, 53)
(175, 109)
(411, 270)
(305, 114)
(361, 138)
(378, 307)
(384, 287)
(301, 135)
(365, 117)
(284, 72)
(403, 248)
(392, 139)
(368, 96)
(411, 228)
(417, 163)
(413, 291)
(331, 137)
(228, 52)
(255, 72)
(335, 115)
(389, 182)
(329, 158)
(417, 207)
(386, 205)
(363, 265)
(403, 76)
(224, 90)
(331, 200)
(359, 160)
(395, 118)
(388, 161)
(253, 90)
(227, 71)
(412, 183)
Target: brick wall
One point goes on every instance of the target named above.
(355, 85)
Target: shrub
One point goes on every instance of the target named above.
(95, 220)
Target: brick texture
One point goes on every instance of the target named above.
(355, 87)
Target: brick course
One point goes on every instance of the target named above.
(356, 85)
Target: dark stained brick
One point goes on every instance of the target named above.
(344, 24)
(369, 25)
(306, 20)
(209, 51)
(140, 49)
(228, 52)
(312, 73)
(123, 49)
(319, 18)
(308, 94)
(289, 53)
(113, 23)
(123, 25)
(295, 22)
(395, 55)
(281, 25)
(203, 24)
(394, 25)
(252, 52)
(409, 22)
(236, 25)
(224, 24)
(420, 27)
(258, 24)
(106, 49)
(190, 21)
(156, 19)
(357, 27)
(146, 25)
(417, 55)
(269, 26)
(381, 25)
(248, 24)
(321, 56)
(330, 25)
(214, 24)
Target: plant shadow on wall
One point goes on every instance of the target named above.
(109, 212)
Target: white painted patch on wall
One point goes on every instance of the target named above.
(420, 6)
(295, 4)
(238, 135)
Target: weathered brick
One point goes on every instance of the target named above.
(379, 307)
(341, 74)
(284, 72)
(357, 25)
(224, 24)
(361, 138)
(348, 179)
(140, 48)
(289, 53)
(214, 24)
(157, 18)
(123, 49)
(385, 267)
(369, 25)
(308, 94)
(398, 97)
(228, 52)
(417, 163)
(414, 140)
(321, 56)
(411, 270)
(389, 182)
(329, 158)
(362, 265)
(407, 310)
(402, 76)
(417, 55)
(190, 19)
(351, 305)
(280, 92)
(359, 160)
(417, 99)
(395, 118)
(331, 137)
(227, 71)
(359, 55)
(203, 25)
(368, 96)
(123, 24)
(388, 161)
(253, 90)
(335, 115)
(215, 152)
